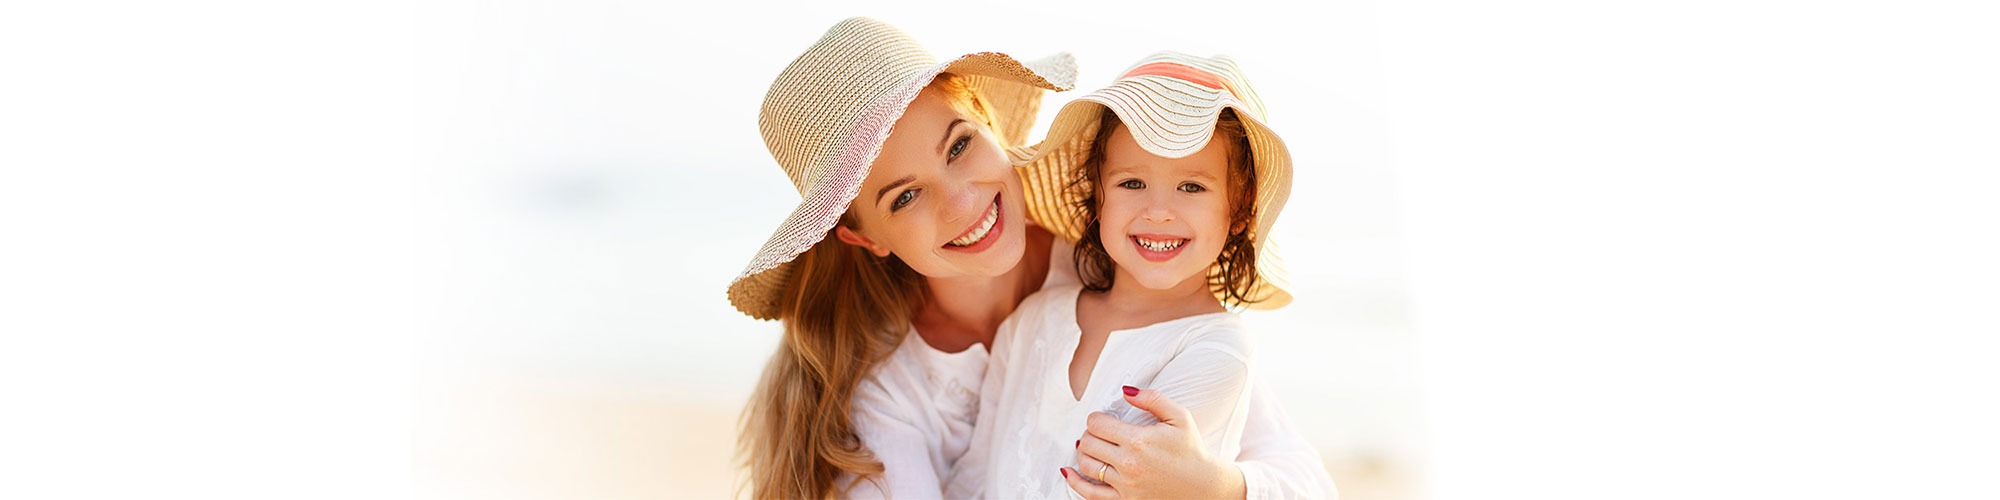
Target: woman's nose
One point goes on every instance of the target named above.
(965, 199)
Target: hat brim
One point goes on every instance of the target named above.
(1012, 89)
(1172, 119)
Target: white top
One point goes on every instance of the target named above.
(910, 412)
(915, 413)
(1027, 411)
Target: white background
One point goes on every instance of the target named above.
(1713, 249)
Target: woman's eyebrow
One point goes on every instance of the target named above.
(892, 185)
(947, 134)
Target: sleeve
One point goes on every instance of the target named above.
(1276, 461)
(1210, 377)
(906, 454)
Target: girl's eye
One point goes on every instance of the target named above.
(1132, 184)
(959, 146)
(1189, 187)
(902, 199)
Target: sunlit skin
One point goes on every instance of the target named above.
(939, 176)
(1178, 205)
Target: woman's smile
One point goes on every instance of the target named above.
(983, 232)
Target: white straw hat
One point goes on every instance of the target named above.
(826, 116)
(1170, 102)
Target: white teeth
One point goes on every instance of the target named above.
(1159, 246)
(985, 226)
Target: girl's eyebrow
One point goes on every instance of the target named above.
(1200, 174)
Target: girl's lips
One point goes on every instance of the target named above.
(1158, 247)
(996, 213)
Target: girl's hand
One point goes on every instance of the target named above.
(1163, 460)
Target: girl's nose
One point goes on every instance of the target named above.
(1158, 212)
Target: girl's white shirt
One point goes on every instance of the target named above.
(916, 412)
(1028, 411)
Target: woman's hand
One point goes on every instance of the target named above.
(1163, 460)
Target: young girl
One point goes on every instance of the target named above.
(1172, 184)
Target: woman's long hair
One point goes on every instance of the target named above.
(843, 310)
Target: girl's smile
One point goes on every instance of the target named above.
(1163, 220)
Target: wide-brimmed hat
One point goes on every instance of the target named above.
(1171, 103)
(826, 116)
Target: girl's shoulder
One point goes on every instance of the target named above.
(1224, 331)
(1045, 312)
(1056, 300)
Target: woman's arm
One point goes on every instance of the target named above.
(908, 467)
(906, 462)
(1276, 461)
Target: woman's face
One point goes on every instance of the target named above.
(1163, 220)
(942, 195)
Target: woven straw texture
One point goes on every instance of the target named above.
(1170, 102)
(827, 114)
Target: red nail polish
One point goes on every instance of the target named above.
(1079, 443)
(1131, 391)
(1065, 473)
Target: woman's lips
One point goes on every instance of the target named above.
(1158, 247)
(983, 232)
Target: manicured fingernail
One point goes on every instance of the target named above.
(1079, 443)
(1065, 473)
(1131, 391)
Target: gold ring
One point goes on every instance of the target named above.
(1100, 472)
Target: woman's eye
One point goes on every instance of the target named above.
(1189, 187)
(902, 199)
(1132, 184)
(959, 146)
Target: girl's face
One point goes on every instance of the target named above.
(1163, 220)
(942, 195)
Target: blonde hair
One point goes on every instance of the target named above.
(844, 310)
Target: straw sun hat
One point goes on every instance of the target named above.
(1170, 102)
(826, 116)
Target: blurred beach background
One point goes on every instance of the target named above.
(1548, 249)
(601, 178)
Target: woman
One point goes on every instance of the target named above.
(907, 164)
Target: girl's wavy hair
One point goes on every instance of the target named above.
(1233, 277)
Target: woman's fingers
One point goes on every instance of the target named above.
(1091, 464)
(1161, 406)
(1089, 490)
(1092, 449)
(1110, 429)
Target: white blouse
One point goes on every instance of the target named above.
(1027, 411)
(916, 411)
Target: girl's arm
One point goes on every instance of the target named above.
(1276, 462)
(1211, 380)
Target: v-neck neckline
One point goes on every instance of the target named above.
(1074, 339)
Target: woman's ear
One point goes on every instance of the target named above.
(850, 237)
